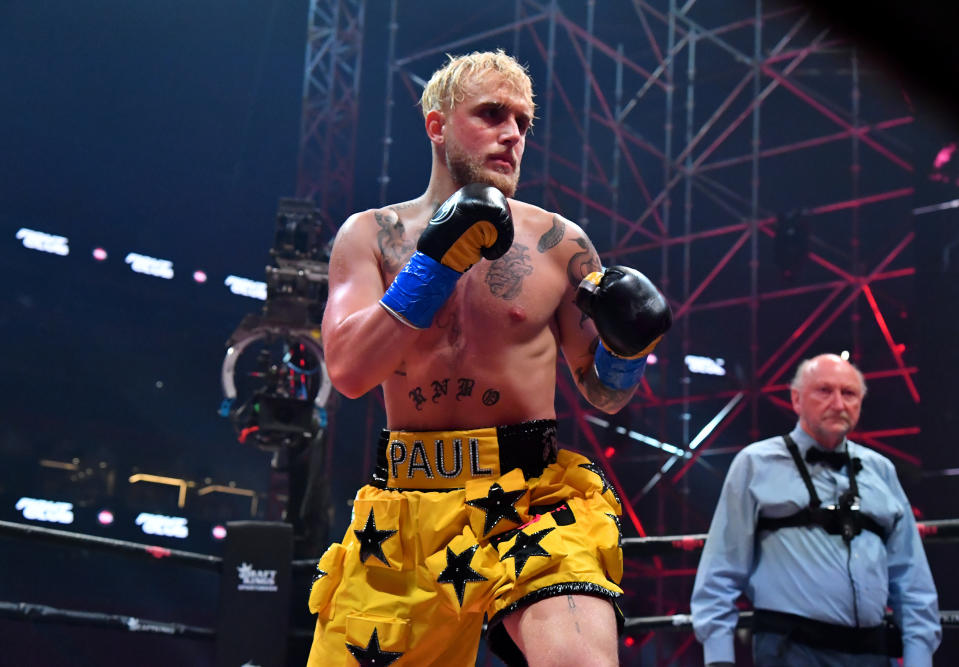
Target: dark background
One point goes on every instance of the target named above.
(171, 130)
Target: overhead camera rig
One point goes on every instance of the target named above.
(285, 389)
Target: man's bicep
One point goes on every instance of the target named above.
(355, 281)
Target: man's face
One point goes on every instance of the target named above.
(485, 133)
(829, 400)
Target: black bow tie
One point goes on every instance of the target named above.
(833, 459)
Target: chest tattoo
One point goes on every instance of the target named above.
(505, 277)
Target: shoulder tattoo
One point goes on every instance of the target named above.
(552, 238)
(395, 247)
(583, 262)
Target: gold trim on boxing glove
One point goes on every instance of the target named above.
(642, 353)
(466, 251)
(594, 277)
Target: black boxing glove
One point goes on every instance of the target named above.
(474, 223)
(631, 316)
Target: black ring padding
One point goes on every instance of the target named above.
(25, 611)
(110, 544)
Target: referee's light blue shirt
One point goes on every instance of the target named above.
(805, 570)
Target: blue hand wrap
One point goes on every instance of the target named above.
(617, 372)
(419, 290)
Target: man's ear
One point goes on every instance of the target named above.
(795, 399)
(435, 121)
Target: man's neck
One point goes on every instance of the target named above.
(826, 443)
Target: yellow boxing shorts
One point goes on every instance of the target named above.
(457, 528)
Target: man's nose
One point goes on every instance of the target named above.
(510, 134)
(835, 399)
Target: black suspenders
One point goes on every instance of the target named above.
(843, 519)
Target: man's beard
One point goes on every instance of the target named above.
(466, 169)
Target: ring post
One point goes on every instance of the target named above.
(253, 619)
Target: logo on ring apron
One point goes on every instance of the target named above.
(255, 580)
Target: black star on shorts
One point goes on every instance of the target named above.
(371, 655)
(458, 571)
(371, 540)
(525, 547)
(592, 467)
(498, 504)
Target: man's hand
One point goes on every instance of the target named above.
(474, 223)
(631, 316)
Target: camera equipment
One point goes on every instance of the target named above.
(287, 387)
(848, 514)
(275, 385)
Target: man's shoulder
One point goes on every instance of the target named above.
(550, 226)
(774, 446)
(391, 216)
(531, 214)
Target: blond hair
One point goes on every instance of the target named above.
(446, 87)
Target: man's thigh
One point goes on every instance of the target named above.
(566, 630)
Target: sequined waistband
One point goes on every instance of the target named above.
(443, 460)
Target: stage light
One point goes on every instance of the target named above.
(844, 355)
(705, 365)
(105, 517)
(253, 289)
(218, 532)
(51, 243)
(199, 276)
(165, 526)
(39, 509)
(99, 254)
(609, 452)
(150, 266)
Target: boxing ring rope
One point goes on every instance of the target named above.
(54, 536)
(43, 613)
(946, 530)
(26, 611)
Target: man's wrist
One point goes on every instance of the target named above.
(719, 649)
(616, 372)
(419, 290)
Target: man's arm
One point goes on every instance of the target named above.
(577, 333)
(630, 316)
(912, 593)
(725, 564)
(363, 344)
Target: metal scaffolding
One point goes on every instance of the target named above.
(331, 90)
(751, 162)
